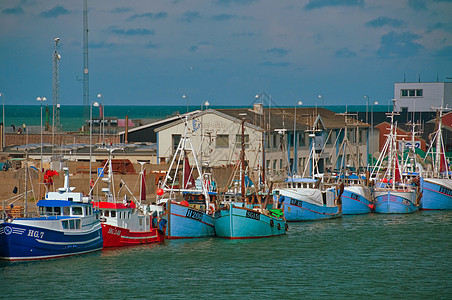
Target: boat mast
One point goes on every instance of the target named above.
(242, 161)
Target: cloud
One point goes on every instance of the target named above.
(130, 32)
(54, 12)
(100, 45)
(224, 17)
(440, 26)
(385, 21)
(190, 16)
(345, 52)
(395, 45)
(417, 4)
(313, 4)
(275, 64)
(151, 16)
(245, 34)
(444, 52)
(13, 11)
(151, 45)
(120, 10)
(279, 52)
(233, 2)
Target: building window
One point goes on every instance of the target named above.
(223, 141)
(412, 93)
(274, 165)
(301, 139)
(176, 139)
(274, 144)
(267, 164)
(238, 141)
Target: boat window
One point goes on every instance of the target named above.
(66, 211)
(71, 224)
(141, 221)
(90, 210)
(113, 214)
(57, 210)
(129, 214)
(107, 213)
(41, 210)
(65, 224)
(77, 211)
(49, 211)
(77, 224)
(85, 210)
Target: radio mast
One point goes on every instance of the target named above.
(85, 62)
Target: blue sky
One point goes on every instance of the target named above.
(225, 51)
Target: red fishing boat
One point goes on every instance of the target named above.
(129, 222)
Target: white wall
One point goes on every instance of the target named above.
(433, 94)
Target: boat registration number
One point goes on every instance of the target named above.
(253, 215)
(296, 202)
(193, 214)
(35, 233)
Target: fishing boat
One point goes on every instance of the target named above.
(356, 197)
(437, 185)
(309, 198)
(67, 225)
(245, 219)
(128, 222)
(393, 194)
(185, 220)
(305, 200)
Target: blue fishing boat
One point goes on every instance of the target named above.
(309, 202)
(236, 221)
(436, 193)
(356, 200)
(67, 225)
(188, 208)
(437, 185)
(393, 194)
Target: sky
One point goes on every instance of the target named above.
(145, 52)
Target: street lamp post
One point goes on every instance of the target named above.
(367, 122)
(91, 141)
(206, 104)
(3, 133)
(372, 124)
(323, 100)
(185, 97)
(102, 125)
(294, 164)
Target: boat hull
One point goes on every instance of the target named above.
(25, 242)
(114, 236)
(356, 200)
(395, 202)
(436, 194)
(234, 222)
(301, 205)
(186, 222)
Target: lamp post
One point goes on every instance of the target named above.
(41, 99)
(294, 164)
(206, 104)
(367, 122)
(372, 124)
(96, 104)
(185, 97)
(102, 125)
(323, 100)
(3, 134)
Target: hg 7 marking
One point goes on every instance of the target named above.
(35, 233)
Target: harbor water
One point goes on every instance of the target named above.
(405, 256)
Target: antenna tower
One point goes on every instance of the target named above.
(85, 62)
(56, 92)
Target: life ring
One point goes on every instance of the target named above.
(272, 224)
(279, 226)
(286, 227)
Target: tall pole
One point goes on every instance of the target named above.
(90, 144)
(185, 97)
(41, 99)
(102, 125)
(367, 122)
(3, 132)
(242, 160)
(294, 164)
